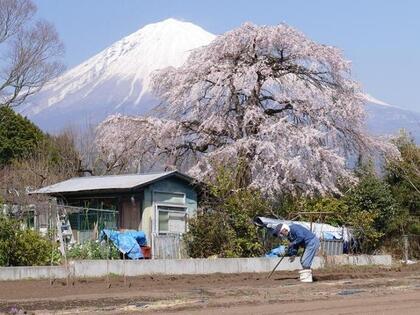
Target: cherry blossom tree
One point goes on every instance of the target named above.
(266, 97)
(134, 143)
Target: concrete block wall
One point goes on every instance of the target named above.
(100, 268)
(32, 272)
(359, 260)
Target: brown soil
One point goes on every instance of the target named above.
(340, 289)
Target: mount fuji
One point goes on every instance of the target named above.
(117, 80)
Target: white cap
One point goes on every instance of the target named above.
(285, 227)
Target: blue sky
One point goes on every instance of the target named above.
(381, 38)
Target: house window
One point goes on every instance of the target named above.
(171, 220)
(169, 197)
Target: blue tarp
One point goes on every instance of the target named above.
(329, 236)
(127, 242)
(276, 252)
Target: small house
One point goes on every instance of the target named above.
(157, 203)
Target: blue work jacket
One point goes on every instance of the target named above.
(298, 236)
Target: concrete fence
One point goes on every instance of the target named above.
(100, 268)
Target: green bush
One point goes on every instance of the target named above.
(33, 250)
(19, 247)
(8, 231)
(209, 234)
(373, 210)
(225, 226)
(374, 196)
(93, 250)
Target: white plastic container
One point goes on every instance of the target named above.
(305, 275)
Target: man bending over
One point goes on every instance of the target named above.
(300, 236)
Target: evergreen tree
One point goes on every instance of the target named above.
(18, 136)
(403, 175)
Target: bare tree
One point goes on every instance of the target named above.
(31, 51)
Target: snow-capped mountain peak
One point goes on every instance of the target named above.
(117, 78)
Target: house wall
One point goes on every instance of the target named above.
(170, 185)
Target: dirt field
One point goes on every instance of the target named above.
(345, 290)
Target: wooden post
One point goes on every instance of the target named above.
(125, 276)
(52, 247)
(62, 244)
(107, 260)
(405, 241)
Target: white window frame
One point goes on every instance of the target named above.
(182, 209)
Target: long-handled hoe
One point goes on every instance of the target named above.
(274, 269)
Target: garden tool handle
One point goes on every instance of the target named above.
(272, 271)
